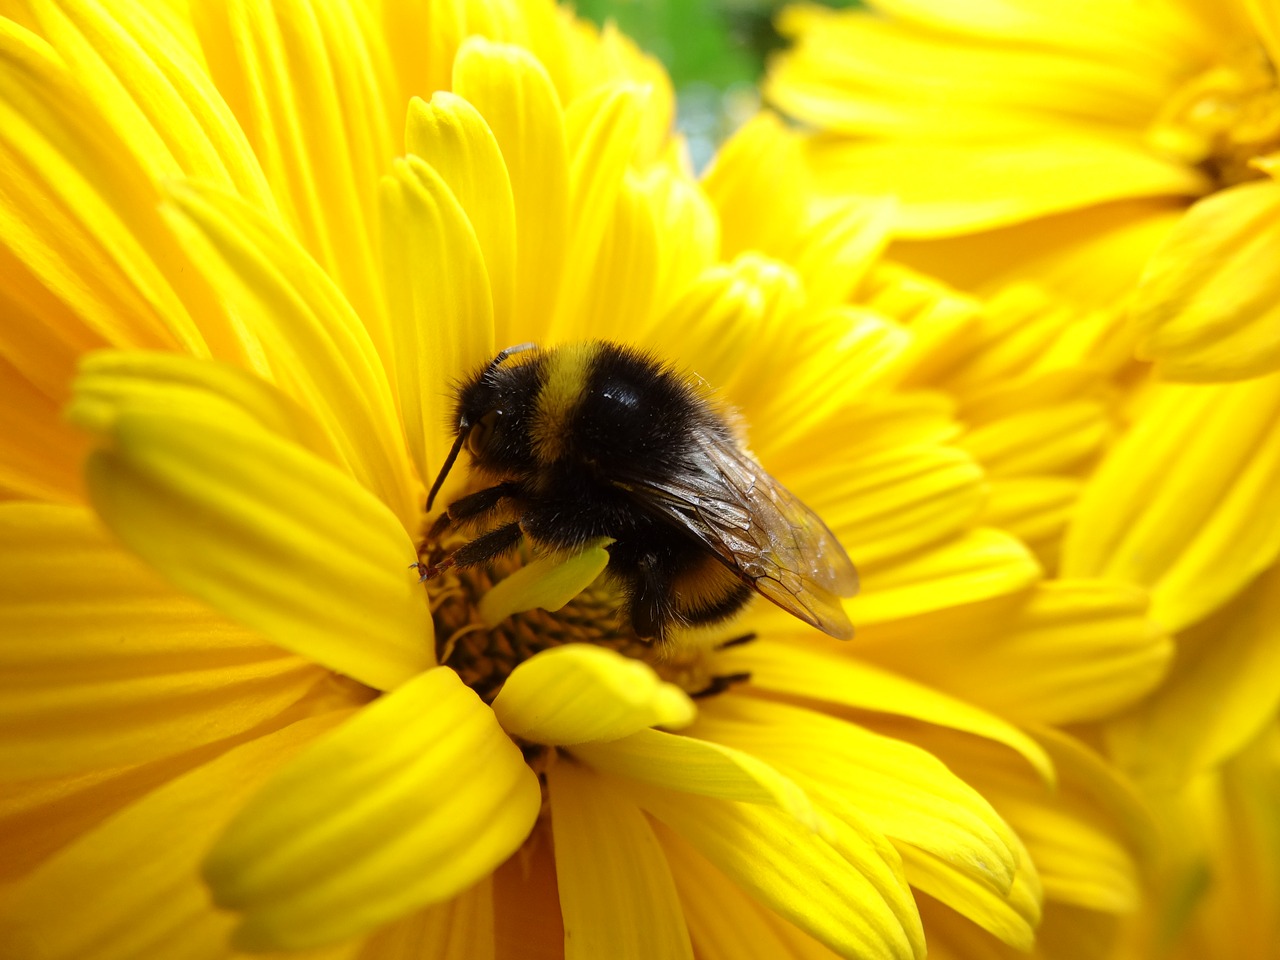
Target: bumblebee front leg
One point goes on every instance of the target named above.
(471, 506)
(482, 548)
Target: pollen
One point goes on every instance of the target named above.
(484, 656)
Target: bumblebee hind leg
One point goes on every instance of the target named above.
(482, 548)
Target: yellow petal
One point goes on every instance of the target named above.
(154, 92)
(579, 692)
(40, 453)
(267, 533)
(616, 893)
(897, 502)
(809, 671)
(898, 789)
(458, 929)
(948, 188)
(451, 135)
(1176, 505)
(1048, 439)
(1207, 305)
(836, 248)
(512, 91)
(547, 583)
(76, 698)
(157, 843)
(1067, 652)
(410, 802)
(698, 766)
(319, 348)
(1036, 510)
(309, 83)
(977, 565)
(849, 900)
(602, 130)
(442, 312)
(77, 215)
(1223, 688)
(110, 381)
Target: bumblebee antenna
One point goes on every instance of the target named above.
(464, 427)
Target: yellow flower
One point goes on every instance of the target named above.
(1064, 145)
(357, 763)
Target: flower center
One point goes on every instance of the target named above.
(1223, 118)
(484, 656)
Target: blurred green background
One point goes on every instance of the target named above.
(715, 51)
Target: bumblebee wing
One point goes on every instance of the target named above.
(762, 530)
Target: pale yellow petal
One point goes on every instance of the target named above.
(617, 896)
(319, 348)
(451, 135)
(157, 843)
(512, 91)
(547, 583)
(857, 907)
(698, 766)
(947, 188)
(817, 672)
(441, 324)
(1206, 308)
(1176, 504)
(410, 802)
(579, 692)
(265, 532)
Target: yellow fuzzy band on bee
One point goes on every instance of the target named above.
(565, 384)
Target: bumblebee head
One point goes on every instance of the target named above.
(490, 415)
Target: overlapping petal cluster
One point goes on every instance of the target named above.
(1118, 153)
(249, 247)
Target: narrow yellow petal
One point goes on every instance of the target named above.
(616, 893)
(157, 843)
(687, 226)
(512, 91)
(1036, 510)
(1175, 505)
(154, 92)
(442, 311)
(814, 672)
(698, 766)
(40, 453)
(1223, 688)
(458, 929)
(266, 533)
(1206, 306)
(451, 135)
(1044, 440)
(76, 213)
(856, 907)
(836, 249)
(579, 692)
(318, 346)
(410, 802)
(977, 565)
(547, 583)
(898, 789)
(309, 82)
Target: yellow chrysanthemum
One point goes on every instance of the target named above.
(354, 764)
(1063, 143)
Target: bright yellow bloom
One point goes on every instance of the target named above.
(1063, 144)
(347, 762)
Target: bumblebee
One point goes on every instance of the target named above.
(594, 440)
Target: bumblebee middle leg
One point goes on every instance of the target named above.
(471, 506)
(482, 548)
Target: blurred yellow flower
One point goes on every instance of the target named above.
(351, 763)
(1064, 144)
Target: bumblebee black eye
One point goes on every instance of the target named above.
(480, 435)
